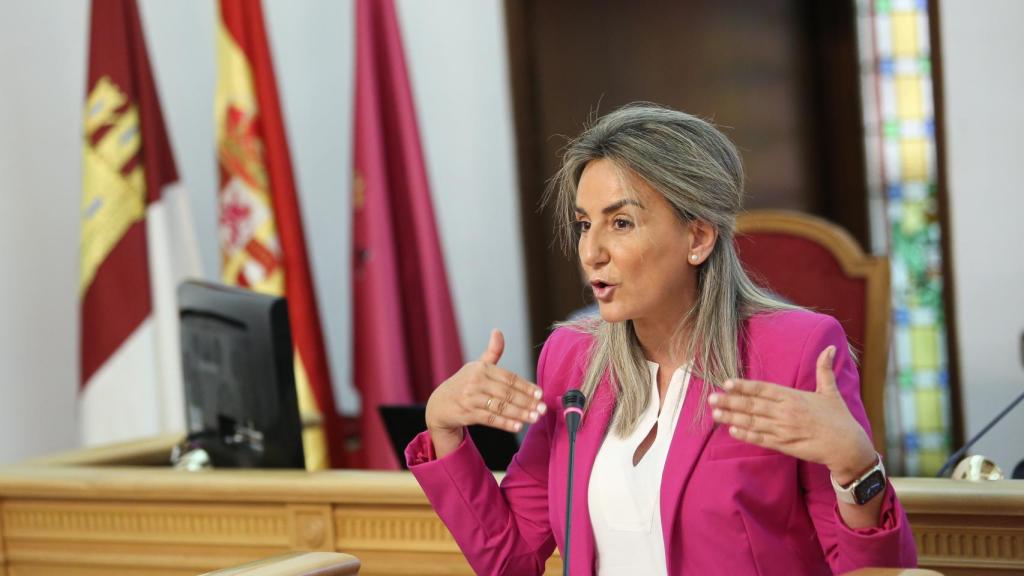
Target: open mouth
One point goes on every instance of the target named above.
(602, 290)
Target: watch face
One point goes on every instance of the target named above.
(869, 487)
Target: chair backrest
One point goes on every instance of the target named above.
(816, 264)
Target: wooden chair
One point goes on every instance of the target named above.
(814, 263)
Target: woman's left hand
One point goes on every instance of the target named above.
(814, 426)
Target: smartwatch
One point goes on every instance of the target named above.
(863, 489)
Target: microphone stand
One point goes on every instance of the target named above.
(572, 403)
(959, 453)
(568, 504)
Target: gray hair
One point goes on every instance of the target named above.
(699, 172)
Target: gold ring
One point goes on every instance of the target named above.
(488, 405)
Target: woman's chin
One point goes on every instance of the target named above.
(610, 314)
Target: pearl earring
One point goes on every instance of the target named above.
(693, 257)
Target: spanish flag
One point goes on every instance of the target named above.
(261, 239)
(136, 241)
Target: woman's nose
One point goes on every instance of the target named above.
(592, 250)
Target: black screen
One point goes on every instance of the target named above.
(240, 401)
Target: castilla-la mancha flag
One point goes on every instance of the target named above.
(261, 237)
(405, 338)
(136, 241)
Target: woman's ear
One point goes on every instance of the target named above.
(702, 240)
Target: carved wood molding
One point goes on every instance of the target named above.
(91, 520)
(126, 521)
(311, 527)
(970, 546)
(412, 528)
(966, 527)
(133, 557)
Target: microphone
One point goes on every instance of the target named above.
(572, 409)
(572, 404)
(959, 453)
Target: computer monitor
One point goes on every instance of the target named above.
(240, 401)
(404, 422)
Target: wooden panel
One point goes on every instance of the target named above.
(781, 78)
(966, 527)
(50, 568)
(412, 528)
(310, 527)
(969, 544)
(403, 540)
(86, 520)
(64, 520)
(3, 543)
(130, 557)
(937, 66)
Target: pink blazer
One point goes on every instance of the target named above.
(727, 507)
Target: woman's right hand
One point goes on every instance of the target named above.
(481, 393)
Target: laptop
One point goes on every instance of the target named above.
(403, 423)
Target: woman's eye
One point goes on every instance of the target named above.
(580, 226)
(622, 224)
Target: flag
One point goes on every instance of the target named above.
(136, 241)
(404, 332)
(261, 239)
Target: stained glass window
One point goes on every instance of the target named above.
(896, 83)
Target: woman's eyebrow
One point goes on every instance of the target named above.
(613, 207)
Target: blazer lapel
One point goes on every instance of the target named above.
(687, 445)
(589, 437)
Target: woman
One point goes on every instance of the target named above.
(723, 432)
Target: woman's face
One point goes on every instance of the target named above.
(634, 250)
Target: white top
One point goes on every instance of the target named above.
(625, 502)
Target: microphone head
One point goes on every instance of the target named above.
(573, 399)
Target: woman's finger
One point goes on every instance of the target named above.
(743, 420)
(493, 420)
(503, 396)
(765, 390)
(525, 386)
(501, 406)
(495, 348)
(826, 378)
(746, 404)
(513, 380)
(499, 374)
(753, 437)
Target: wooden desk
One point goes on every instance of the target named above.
(115, 511)
(119, 510)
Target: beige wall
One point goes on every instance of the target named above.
(457, 55)
(982, 46)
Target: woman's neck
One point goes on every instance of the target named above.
(661, 341)
(661, 338)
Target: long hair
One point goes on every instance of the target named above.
(699, 172)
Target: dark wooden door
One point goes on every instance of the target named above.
(779, 77)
